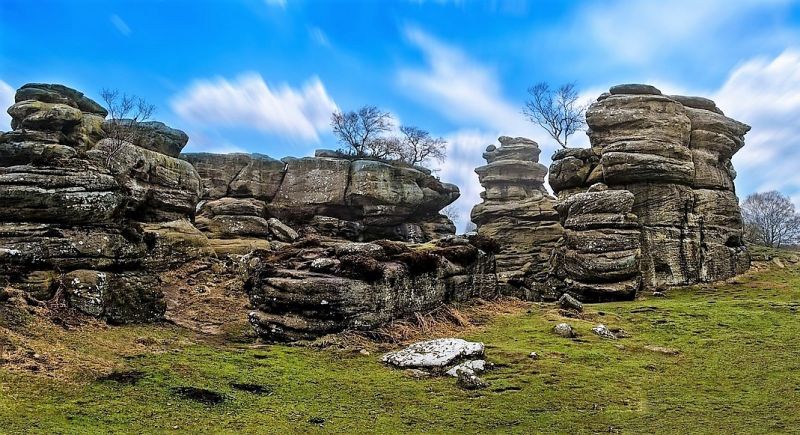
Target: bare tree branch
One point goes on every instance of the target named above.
(556, 111)
(126, 112)
(770, 219)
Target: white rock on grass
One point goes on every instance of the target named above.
(434, 353)
(475, 366)
(603, 331)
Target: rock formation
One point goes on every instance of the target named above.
(673, 154)
(81, 216)
(333, 195)
(303, 292)
(518, 213)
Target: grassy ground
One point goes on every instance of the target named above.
(729, 362)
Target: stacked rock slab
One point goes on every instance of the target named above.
(673, 153)
(332, 194)
(306, 292)
(518, 213)
(80, 215)
(599, 257)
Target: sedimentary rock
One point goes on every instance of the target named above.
(331, 194)
(673, 154)
(517, 212)
(87, 215)
(437, 353)
(302, 293)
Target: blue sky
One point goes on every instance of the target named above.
(263, 76)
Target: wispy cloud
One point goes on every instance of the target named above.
(121, 25)
(249, 102)
(6, 101)
(765, 93)
(317, 35)
(460, 88)
(277, 3)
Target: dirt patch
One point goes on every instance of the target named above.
(126, 377)
(201, 395)
(252, 388)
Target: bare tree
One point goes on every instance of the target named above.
(417, 146)
(557, 111)
(361, 131)
(770, 219)
(126, 112)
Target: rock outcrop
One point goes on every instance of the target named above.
(518, 213)
(81, 217)
(303, 292)
(673, 154)
(335, 195)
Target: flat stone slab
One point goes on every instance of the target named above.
(434, 353)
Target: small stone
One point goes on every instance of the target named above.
(661, 349)
(533, 355)
(604, 332)
(564, 330)
(475, 366)
(468, 380)
(364, 352)
(570, 303)
(777, 261)
(416, 373)
(659, 294)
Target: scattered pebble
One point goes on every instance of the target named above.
(533, 355)
(604, 332)
(564, 330)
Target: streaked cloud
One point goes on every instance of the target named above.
(249, 102)
(121, 25)
(317, 35)
(6, 101)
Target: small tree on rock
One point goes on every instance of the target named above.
(125, 112)
(770, 219)
(556, 110)
(417, 146)
(362, 131)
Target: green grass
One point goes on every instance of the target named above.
(738, 371)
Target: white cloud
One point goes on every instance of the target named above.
(460, 88)
(765, 93)
(318, 36)
(6, 101)
(249, 102)
(638, 32)
(276, 3)
(121, 25)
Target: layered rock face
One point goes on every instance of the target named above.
(81, 215)
(303, 292)
(673, 153)
(600, 255)
(335, 195)
(518, 213)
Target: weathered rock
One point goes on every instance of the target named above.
(564, 330)
(434, 353)
(151, 135)
(568, 302)
(55, 93)
(468, 380)
(300, 294)
(673, 154)
(282, 231)
(473, 367)
(603, 331)
(127, 297)
(517, 212)
(335, 195)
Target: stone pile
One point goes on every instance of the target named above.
(518, 213)
(84, 217)
(332, 195)
(673, 153)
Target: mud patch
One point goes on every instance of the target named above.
(126, 377)
(252, 388)
(201, 395)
